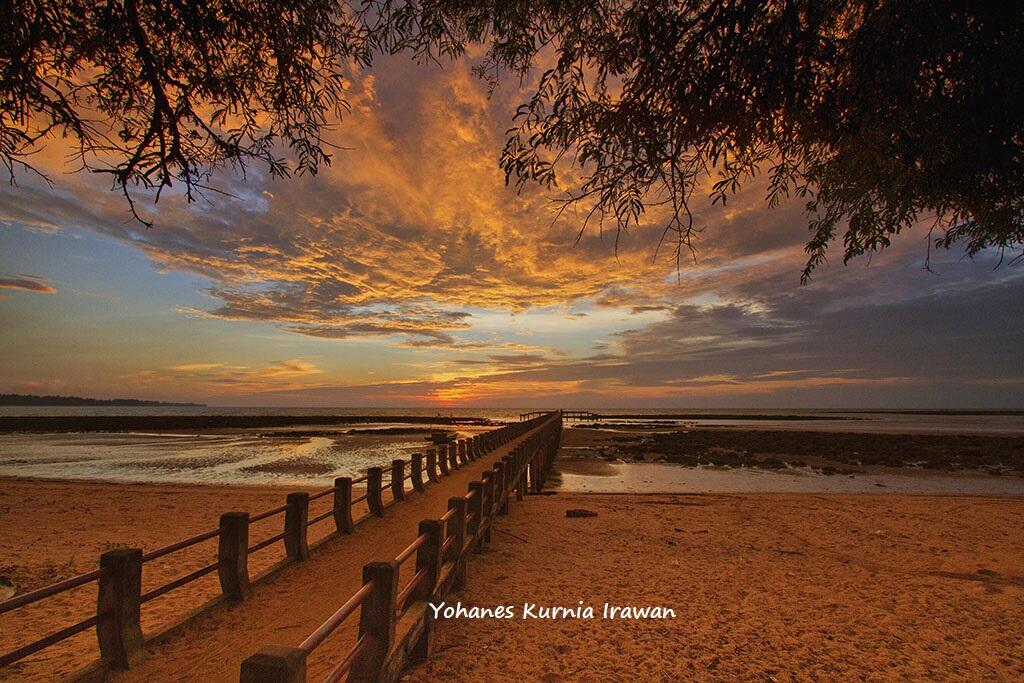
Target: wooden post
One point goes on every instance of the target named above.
(432, 465)
(416, 463)
(233, 555)
(295, 519)
(463, 455)
(398, 479)
(520, 483)
(376, 620)
(453, 457)
(457, 531)
(428, 558)
(374, 478)
(506, 480)
(118, 607)
(442, 460)
(499, 489)
(488, 479)
(275, 664)
(476, 507)
(343, 505)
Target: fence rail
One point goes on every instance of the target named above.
(442, 551)
(118, 616)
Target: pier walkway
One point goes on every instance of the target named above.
(293, 602)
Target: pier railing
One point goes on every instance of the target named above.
(391, 598)
(117, 619)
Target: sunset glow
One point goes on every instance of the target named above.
(408, 273)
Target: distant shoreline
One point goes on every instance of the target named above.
(30, 400)
(194, 423)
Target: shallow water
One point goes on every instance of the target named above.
(828, 421)
(834, 420)
(215, 459)
(669, 478)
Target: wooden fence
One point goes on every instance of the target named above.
(442, 553)
(117, 619)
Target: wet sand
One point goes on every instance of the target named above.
(765, 587)
(215, 459)
(192, 424)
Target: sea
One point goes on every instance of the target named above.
(266, 457)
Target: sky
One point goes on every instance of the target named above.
(408, 274)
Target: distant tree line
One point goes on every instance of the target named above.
(31, 400)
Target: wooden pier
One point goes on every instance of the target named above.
(567, 415)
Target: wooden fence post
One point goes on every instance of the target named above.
(343, 505)
(442, 460)
(429, 557)
(118, 607)
(506, 479)
(520, 482)
(499, 489)
(432, 465)
(463, 454)
(233, 555)
(295, 519)
(374, 479)
(488, 479)
(376, 620)
(275, 664)
(398, 479)
(476, 510)
(457, 530)
(416, 463)
(453, 458)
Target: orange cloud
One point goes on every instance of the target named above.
(213, 379)
(27, 284)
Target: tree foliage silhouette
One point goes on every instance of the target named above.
(878, 113)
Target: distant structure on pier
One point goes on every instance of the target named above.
(567, 415)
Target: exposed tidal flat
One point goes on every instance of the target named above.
(213, 459)
(631, 451)
(640, 458)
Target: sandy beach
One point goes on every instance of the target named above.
(50, 531)
(774, 587)
(810, 583)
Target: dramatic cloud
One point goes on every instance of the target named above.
(224, 378)
(411, 243)
(29, 284)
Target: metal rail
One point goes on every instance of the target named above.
(177, 583)
(47, 591)
(335, 620)
(411, 548)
